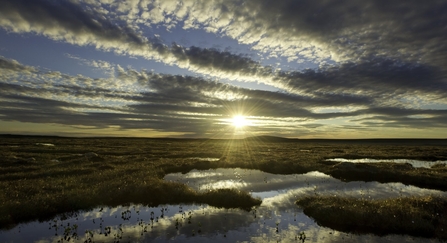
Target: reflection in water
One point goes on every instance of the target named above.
(414, 163)
(266, 185)
(44, 144)
(205, 159)
(278, 219)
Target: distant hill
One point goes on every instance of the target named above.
(266, 138)
(28, 136)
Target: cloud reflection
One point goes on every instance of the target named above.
(271, 187)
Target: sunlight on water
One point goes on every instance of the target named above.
(205, 159)
(278, 219)
(265, 185)
(414, 163)
(45, 144)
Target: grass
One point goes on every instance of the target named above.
(39, 182)
(84, 185)
(426, 216)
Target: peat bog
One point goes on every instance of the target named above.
(42, 177)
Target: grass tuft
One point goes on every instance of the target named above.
(416, 216)
(230, 198)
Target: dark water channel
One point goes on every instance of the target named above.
(278, 219)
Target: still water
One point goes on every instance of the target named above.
(278, 219)
(412, 162)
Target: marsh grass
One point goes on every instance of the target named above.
(39, 182)
(432, 178)
(230, 198)
(59, 180)
(416, 216)
(43, 199)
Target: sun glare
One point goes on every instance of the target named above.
(239, 121)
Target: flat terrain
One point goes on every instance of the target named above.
(41, 177)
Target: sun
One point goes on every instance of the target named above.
(239, 121)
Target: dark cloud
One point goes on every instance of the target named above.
(53, 15)
(223, 61)
(76, 23)
(12, 65)
(177, 88)
(408, 31)
(414, 123)
(402, 112)
(374, 76)
(398, 117)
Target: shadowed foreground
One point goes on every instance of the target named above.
(425, 216)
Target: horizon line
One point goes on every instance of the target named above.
(209, 138)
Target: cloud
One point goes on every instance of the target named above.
(379, 63)
(73, 23)
(382, 81)
(398, 117)
(185, 104)
(107, 67)
(77, 24)
(13, 65)
(346, 30)
(342, 31)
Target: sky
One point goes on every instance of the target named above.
(186, 68)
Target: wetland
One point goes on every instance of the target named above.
(247, 190)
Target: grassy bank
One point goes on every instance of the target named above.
(426, 217)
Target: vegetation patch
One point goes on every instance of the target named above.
(45, 203)
(416, 216)
(432, 178)
(230, 198)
